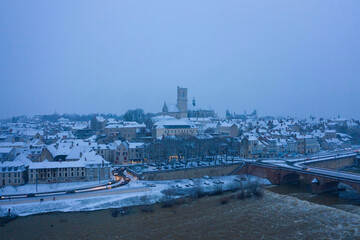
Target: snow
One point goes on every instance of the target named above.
(128, 195)
(315, 180)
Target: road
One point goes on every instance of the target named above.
(80, 195)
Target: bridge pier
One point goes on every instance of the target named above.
(318, 188)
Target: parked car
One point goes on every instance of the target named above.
(30, 195)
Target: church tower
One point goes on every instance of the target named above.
(182, 102)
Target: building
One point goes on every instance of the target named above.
(228, 129)
(251, 147)
(98, 123)
(330, 134)
(180, 110)
(174, 128)
(7, 154)
(14, 173)
(311, 145)
(106, 151)
(131, 130)
(129, 153)
(90, 167)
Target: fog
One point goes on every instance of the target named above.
(284, 58)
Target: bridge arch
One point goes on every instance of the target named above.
(328, 187)
(290, 178)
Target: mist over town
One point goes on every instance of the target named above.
(179, 120)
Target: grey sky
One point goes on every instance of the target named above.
(281, 57)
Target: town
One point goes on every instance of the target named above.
(48, 149)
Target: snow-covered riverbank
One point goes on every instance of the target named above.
(129, 195)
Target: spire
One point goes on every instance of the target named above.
(165, 108)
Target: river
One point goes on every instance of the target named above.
(284, 212)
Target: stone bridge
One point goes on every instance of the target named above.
(320, 183)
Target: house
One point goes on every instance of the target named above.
(98, 123)
(7, 154)
(330, 134)
(129, 153)
(251, 147)
(228, 129)
(14, 173)
(107, 151)
(311, 145)
(131, 130)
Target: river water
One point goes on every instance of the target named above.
(284, 212)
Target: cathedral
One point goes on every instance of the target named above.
(180, 110)
(184, 110)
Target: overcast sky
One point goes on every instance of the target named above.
(291, 58)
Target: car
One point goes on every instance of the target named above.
(2, 197)
(70, 191)
(206, 183)
(111, 182)
(30, 195)
(305, 168)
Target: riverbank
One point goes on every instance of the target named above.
(129, 195)
(273, 216)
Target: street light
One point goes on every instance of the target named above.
(99, 173)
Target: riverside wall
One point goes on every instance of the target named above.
(195, 172)
(337, 163)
